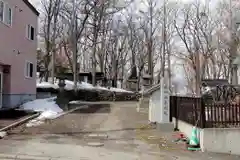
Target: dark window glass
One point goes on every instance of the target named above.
(31, 70)
(32, 33)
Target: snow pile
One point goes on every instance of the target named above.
(81, 85)
(48, 108)
(46, 85)
(119, 90)
(69, 84)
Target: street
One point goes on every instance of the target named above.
(115, 131)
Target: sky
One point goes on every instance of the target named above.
(35, 2)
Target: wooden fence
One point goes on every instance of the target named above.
(205, 115)
(222, 115)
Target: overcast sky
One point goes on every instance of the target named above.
(34, 2)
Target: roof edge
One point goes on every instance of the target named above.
(31, 7)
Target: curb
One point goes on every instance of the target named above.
(23, 157)
(19, 122)
(22, 121)
(31, 157)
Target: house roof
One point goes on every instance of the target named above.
(31, 7)
(214, 82)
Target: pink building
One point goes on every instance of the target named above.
(18, 44)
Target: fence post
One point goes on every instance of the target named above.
(172, 107)
(202, 113)
(176, 105)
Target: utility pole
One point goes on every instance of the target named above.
(53, 64)
(150, 49)
(114, 61)
(74, 44)
(164, 40)
(233, 49)
(94, 49)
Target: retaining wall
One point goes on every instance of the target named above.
(218, 140)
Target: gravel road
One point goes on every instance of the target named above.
(103, 131)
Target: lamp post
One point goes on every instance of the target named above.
(234, 58)
(74, 44)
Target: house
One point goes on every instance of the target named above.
(18, 44)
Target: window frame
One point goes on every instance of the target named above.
(2, 11)
(29, 27)
(6, 18)
(27, 69)
(9, 17)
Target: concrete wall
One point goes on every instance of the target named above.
(183, 127)
(221, 140)
(15, 100)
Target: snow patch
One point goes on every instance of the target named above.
(47, 107)
(46, 85)
(119, 90)
(81, 85)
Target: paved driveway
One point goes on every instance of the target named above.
(108, 131)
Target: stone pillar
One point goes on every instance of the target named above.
(164, 123)
(165, 105)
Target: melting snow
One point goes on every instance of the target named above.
(48, 108)
(81, 85)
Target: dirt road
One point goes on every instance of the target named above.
(115, 131)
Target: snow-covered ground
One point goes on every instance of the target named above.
(47, 107)
(81, 85)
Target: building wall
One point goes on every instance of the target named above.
(15, 50)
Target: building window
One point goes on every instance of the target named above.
(29, 70)
(8, 16)
(1, 10)
(5, 13)
(30, 32)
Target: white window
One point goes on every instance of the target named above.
(8, 15)
(5, 13)
(29, 70)
(30, 32)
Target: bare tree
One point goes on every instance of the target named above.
(51, 10)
